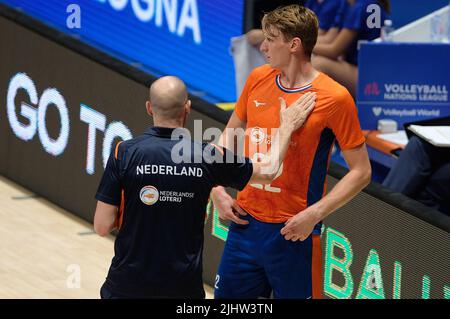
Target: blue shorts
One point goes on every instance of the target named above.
(257, 261)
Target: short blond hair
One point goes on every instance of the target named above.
(293, 21)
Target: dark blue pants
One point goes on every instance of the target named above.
(422, 172)
(257, 261)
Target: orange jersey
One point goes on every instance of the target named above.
(301, 179)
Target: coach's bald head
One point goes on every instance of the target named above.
(169, 103)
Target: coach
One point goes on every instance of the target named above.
(158, 204)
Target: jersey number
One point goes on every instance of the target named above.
(260, 156)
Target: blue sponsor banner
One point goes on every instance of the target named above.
(186, 38)
(403, 81)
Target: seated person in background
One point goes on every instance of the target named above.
(334, 26)
(262, 6)
(326, 11)
(339, 58)
(422, 172)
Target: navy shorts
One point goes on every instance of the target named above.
(257, 261)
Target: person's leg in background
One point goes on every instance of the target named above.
(412, 169)
(436, 193)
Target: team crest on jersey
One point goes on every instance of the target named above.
(149, 195)
(257, 135)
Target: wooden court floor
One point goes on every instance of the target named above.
(47, 252)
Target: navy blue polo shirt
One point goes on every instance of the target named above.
(162, 185)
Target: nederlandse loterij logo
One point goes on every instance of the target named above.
(149, 195)
(377, 111)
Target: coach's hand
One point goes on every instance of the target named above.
(296, 114)
(300, 226)
(227, 206)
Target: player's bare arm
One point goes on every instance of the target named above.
(328, 36)
(226, 205)
(300, 226)
(337, 47)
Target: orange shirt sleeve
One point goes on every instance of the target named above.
(344, 122)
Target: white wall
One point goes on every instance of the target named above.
(420, 30)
